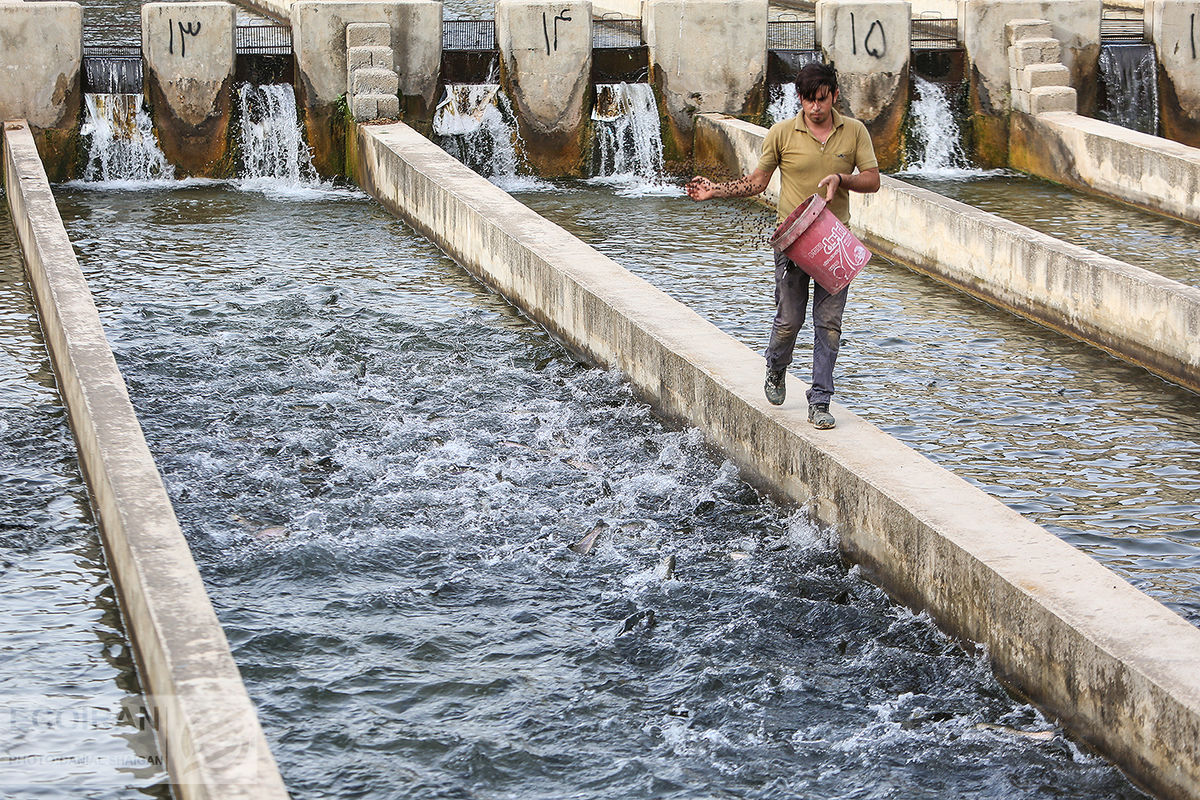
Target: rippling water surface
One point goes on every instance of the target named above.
(380, 465)
(69, 694)
(1100, 452)
(1156, 243)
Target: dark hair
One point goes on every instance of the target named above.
(812, 77)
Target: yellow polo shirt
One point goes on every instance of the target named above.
(803, 161)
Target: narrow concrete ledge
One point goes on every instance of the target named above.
(1115, 666)
(1130, 312)
(207, 727)
(276, 9)
(1147, 171)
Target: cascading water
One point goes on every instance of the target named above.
(475, 124)
(935, 143)
(628, 139)
(1129, 74)
(785, 102)
(272, 138)
(121, 140)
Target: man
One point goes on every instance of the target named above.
(818, 150)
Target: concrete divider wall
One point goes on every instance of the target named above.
(705, 55)
(1116, 667)
(188, 50)
(41, 56)
(1147, 171)
(1130, 312)
(319, 41)
(207, 727)
(868, 42)
(546, 68)
(1133, 313)
(1076, 25)
(1174, 28)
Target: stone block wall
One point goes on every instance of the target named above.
(372, 85)
(1038, 79)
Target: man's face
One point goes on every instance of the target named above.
(819, 108)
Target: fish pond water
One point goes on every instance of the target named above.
(380, 466)
(1099, 452)
(1156, 243)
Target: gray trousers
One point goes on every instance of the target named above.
(791, 301)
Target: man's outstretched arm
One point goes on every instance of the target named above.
(699, 188)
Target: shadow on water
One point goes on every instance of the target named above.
(380, 467)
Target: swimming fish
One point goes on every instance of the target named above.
(644, 618)
(585, 545)
(1040, 736)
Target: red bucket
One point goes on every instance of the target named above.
(817, 242)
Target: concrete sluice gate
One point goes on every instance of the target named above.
(379, 466)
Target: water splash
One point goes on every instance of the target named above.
(628, 139)
(272, 139)
(935, 142)
(785, 102)
(1130, 76)
(475, 123)
(121, 144)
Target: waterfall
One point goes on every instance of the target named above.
(785, 102)
(628, 141)
(1129, 75)
(935, 142)
(121, 144)
(118, 73)
(475, 124)
(272, 139)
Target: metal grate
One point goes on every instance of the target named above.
(789, 34)
(263, 40)
(112, 69)
(1122, 26)
(469, 34)
(613, 33)
(933, 33)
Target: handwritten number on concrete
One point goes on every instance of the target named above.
(877, 52)
(872, 50)
(191, 29)
(1193, 31)
(562, 17)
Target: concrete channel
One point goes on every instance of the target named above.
(1116, 667)
(208, 731)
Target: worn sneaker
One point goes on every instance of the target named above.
(819, 416)
(774, 387)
